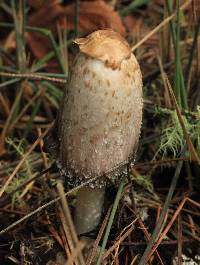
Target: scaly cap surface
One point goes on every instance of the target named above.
(99, 45)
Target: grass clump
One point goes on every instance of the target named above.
(173, 139)
(23, 175)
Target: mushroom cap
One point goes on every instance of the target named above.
(106, 45)
(99, 121)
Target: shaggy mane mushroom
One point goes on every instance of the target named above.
(98, 125)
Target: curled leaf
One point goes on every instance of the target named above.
(93, 15)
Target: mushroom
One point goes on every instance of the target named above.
(98, 125)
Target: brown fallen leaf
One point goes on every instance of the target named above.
(93, 15)
(134, 23)
(37, 4)
(137, 29)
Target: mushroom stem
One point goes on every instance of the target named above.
(88, 209)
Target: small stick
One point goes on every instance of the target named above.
(51, 202)
(120, 240)
(68, 218)
(147, 253)
(25, 109)
(35, 76)
(156, 29)
(67, 240)
(180, 240)
(112, 215)
(76, 253)
(148, 237)
(96, 243)
(177, 212)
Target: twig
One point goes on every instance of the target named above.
(45, 206)
(8, 120)
(168, 227)
(191, 148)
(11, 126)
(57, 199)
(191, 55)
(96, 243)
(156, 29)
(180, 240)
(34, 76)
(66, 238)
(75, 253)
(159, 225)
(163, 243)
(68, 218)
(121, 239)
(185, 199)
(112, 215)
(147, 235)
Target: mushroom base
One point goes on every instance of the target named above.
(88, 209)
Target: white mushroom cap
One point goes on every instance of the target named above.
(100, 118)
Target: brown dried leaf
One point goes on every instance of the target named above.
(93, 15)
(36, 4)
(38, 43)
(134, 23)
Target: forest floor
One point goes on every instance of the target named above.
(157, 219)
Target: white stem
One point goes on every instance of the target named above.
(88, 209)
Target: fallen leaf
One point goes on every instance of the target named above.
(93, 15)
(134, 23)
(36, 4)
